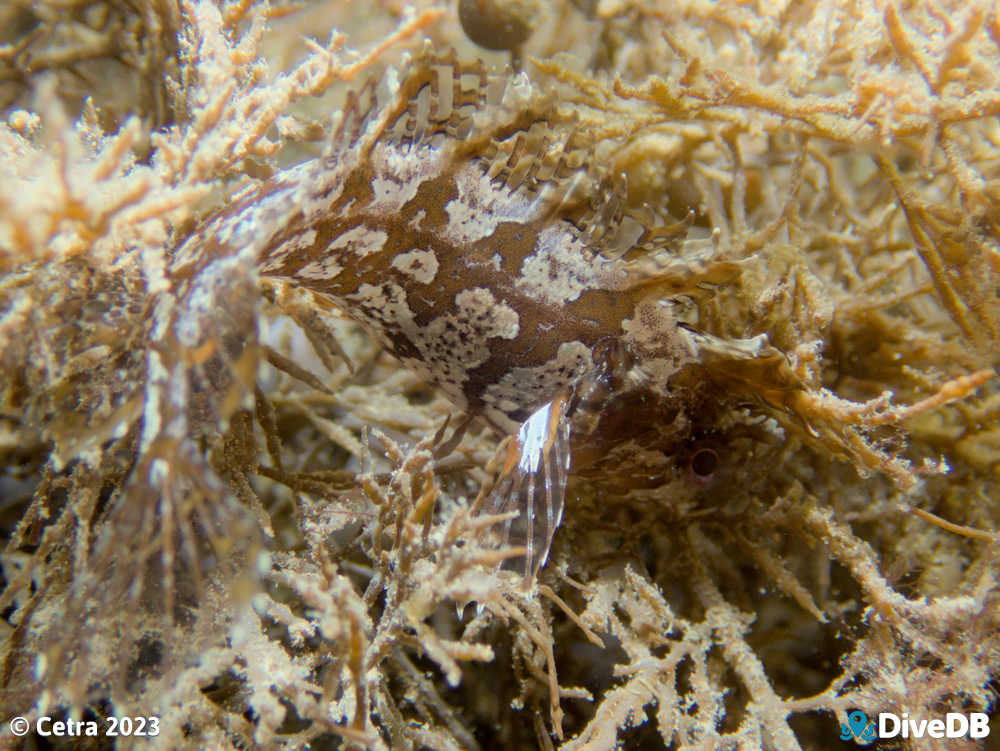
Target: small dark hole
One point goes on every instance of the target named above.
(419, 396)
(704, 462)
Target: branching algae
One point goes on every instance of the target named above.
(293, 408)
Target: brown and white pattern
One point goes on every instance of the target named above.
(438, 219)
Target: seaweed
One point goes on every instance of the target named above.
(300, 561)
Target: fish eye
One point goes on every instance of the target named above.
(704, 462)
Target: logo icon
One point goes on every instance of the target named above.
(858, 728)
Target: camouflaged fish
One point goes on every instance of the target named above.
(454, 216)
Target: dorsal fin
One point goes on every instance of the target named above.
(601, 222)
(512, 129)
(360, 109)
(440, 94)
(433, 93)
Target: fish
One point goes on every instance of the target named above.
(458, 214)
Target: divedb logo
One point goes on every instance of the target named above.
(888, 725)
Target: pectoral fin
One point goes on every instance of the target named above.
(533, 482)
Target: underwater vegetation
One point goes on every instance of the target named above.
(250, 489)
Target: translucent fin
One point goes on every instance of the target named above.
(519, 134)
(433, 94)
(533, 482)
(440, 94)
(358, 112)
(605, 215)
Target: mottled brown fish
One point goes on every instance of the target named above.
(452, 215)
